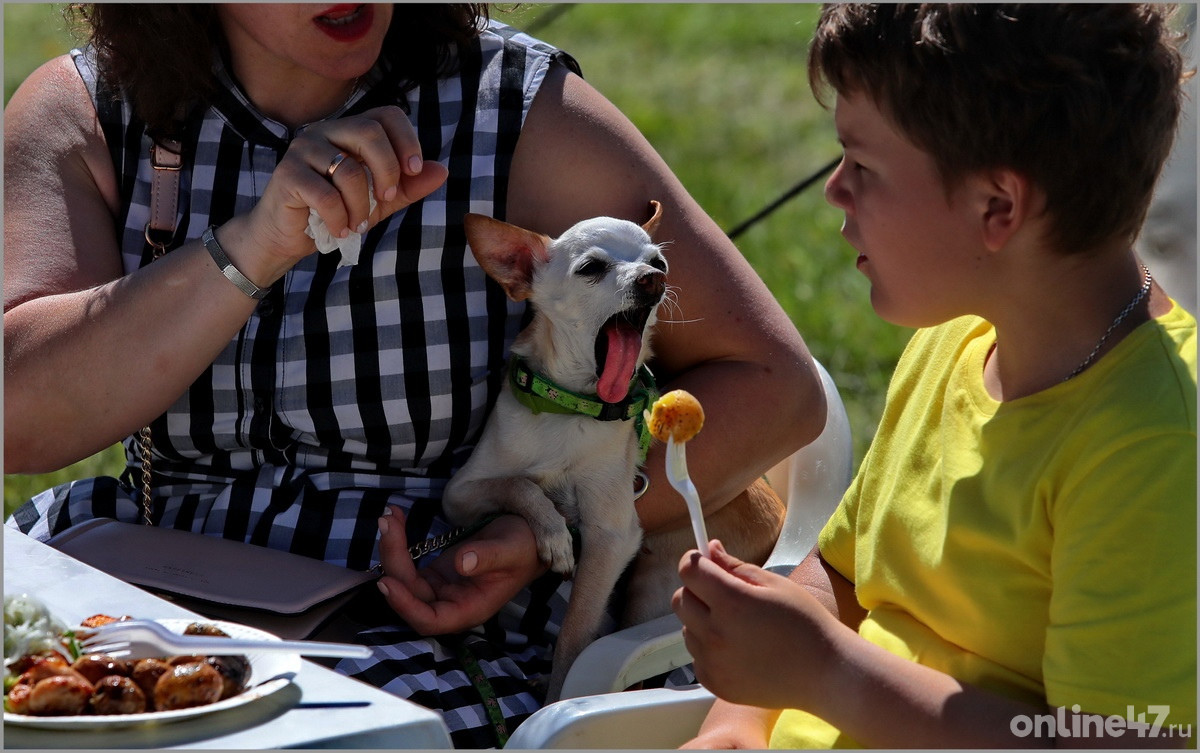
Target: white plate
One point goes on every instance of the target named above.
(269, 672)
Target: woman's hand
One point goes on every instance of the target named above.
(757, 638)
(466, 584)
(381, 140)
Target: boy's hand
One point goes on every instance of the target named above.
(756, 638)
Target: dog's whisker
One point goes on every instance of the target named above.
(670, 307)
(670, 299)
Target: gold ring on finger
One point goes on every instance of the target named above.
(334, 164)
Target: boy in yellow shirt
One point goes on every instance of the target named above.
(1015, 562)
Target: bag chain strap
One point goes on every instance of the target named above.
(166, 159)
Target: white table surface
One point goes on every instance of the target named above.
(319, 709)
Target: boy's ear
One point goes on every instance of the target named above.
(1007, 204)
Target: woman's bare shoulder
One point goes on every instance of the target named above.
(60, 189)
(51, 124)
(54, 88)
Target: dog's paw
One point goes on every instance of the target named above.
(556, 549)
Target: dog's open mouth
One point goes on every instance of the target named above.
(617, 349)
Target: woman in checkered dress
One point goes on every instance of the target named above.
(295, 406)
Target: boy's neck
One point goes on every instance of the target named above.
(1059, 318)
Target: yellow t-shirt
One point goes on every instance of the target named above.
(1043, 548)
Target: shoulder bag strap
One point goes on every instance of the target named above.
(166, 159)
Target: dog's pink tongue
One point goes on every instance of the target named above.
(624, 344)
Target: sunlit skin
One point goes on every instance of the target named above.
(912, 236)
(934, 252)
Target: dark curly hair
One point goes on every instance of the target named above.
(1081, 99)
(160, 55)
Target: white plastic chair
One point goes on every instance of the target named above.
(593, 714)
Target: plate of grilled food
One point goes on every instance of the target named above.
(51, 682)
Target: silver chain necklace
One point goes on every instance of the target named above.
(1125, 312)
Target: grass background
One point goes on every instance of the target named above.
(721, 91)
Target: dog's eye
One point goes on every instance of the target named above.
(592, 268)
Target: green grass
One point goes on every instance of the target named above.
(33, 33)
(720, 90)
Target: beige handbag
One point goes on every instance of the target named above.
(286, 594)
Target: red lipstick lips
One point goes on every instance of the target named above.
(346, 22)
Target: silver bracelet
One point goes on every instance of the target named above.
(226, 266)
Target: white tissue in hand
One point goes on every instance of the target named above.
(326, 241)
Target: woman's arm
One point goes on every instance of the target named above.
(91, 354)
(723, 338)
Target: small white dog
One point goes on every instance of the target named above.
(544, 454)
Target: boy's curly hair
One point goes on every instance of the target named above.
(1081, 99)
(161, 54)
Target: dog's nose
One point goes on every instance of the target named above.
(652, 284)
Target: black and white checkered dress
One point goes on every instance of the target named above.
(349, 388)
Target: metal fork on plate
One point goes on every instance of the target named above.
(144, 639)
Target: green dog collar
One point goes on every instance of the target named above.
(540, 395)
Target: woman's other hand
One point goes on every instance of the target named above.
(467, 584)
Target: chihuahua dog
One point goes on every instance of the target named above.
(564, 442)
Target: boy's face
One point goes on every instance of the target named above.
(914, 241)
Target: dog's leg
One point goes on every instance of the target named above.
(655, 576)
(472, 500)
(605, 552)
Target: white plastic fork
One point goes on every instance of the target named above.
(677, 474)
(145, 639)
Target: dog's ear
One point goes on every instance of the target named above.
(651, 225)
(506, 252)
